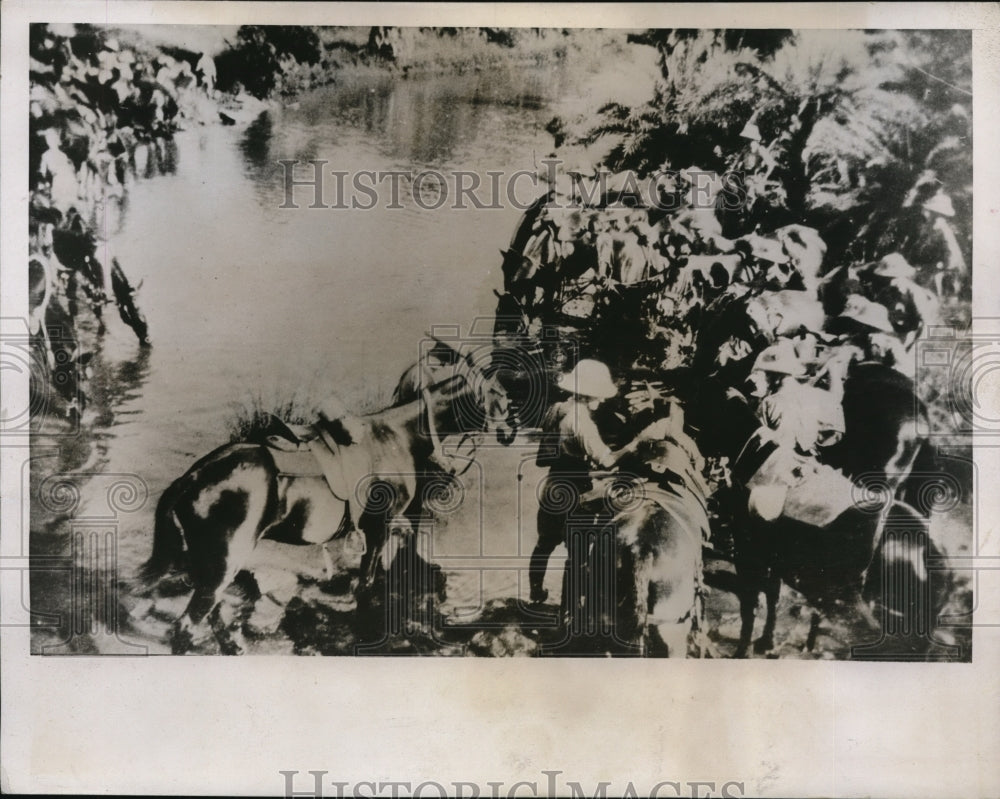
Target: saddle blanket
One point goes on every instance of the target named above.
(681, 503)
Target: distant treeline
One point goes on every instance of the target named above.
(284, 59)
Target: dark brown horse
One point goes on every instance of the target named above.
(831, 565)
(211, 521)
(870, 568)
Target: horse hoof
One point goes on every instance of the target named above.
(538, 596)
(231, 648)
(741, 653)
(763, 645)
(181, 642)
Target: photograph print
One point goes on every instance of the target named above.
(488, 342)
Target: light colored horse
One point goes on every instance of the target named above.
(211, 521)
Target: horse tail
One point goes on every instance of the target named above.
(899, 580)
(168, 537)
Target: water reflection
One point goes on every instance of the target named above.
(431, 121)
(117, 383)
(155, 158)
(255, 145)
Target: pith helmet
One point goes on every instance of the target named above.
(869, 314)
(589, 379)
(894, 265)
(751, 131)
(940, 203)
(780, 358)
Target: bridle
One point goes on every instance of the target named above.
(491, 400)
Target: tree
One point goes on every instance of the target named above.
(853, 127)
(255, 61)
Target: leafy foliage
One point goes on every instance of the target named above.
(858, 128)
(256, 59)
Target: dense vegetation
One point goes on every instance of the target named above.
(856, 130)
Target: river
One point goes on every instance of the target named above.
(246, 299)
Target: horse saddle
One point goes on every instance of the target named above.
(289, 447)
(310, 451)
(693, 514)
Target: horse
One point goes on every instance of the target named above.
(870, 556)
(635, 580)
(76, 248)
(830, 564)
(551, 248)
(486, 387)
(527, 273)
(211, 521)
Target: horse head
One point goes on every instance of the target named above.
(477, 401)
(491, 398)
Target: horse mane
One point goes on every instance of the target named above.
(340, 431)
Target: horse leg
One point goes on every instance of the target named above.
(190, 629)
(748, 611)
(772, 590)
(670, 620)
(671, 594)
(399, 532)
(376, 532)
(220, 526)
(675, 637)
(813, 631)
(211, 579)
(537, 567)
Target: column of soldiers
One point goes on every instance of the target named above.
(760, 314)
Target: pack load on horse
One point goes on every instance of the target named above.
(634, 572)
(571, 447)
(814, 516)
(341, 474)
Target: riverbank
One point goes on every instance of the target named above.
(245, 297)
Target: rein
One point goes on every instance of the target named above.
(439, 455)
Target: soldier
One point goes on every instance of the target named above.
(577, 450)
(802, 419)
(944, 250)
(890, 282)
(865, 334)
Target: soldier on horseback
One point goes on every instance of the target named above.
(574, 448)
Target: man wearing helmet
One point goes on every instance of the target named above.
(773, 381)
(572, 447)
(912, 308)
(866, 334)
